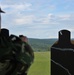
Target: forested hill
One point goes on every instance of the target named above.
(41, 44)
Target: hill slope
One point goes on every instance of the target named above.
(41, 44)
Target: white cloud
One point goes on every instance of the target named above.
(49, 19)
(24, 20)
(17, 7)
(33, 19)
(25, 6)
(64, 17)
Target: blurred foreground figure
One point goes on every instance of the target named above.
(28, 51)
(5, 52)
(16, 56)
(62, 55)
(23, 55)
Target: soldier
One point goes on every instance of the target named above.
(62, 55)
(6, 57)
(28, 51)
(27, 46)
(23, 55)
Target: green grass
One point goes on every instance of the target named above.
(41, 65)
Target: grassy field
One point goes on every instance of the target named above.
(41, 65)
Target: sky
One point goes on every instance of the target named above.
(38, 18)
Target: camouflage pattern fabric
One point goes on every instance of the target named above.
(23, 55)
(15, 56)
(5, 55)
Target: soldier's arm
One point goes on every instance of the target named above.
(29, 49)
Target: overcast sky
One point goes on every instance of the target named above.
(38, 18)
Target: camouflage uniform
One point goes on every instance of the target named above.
(24, 56)
(15, 56)
(6, 55)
